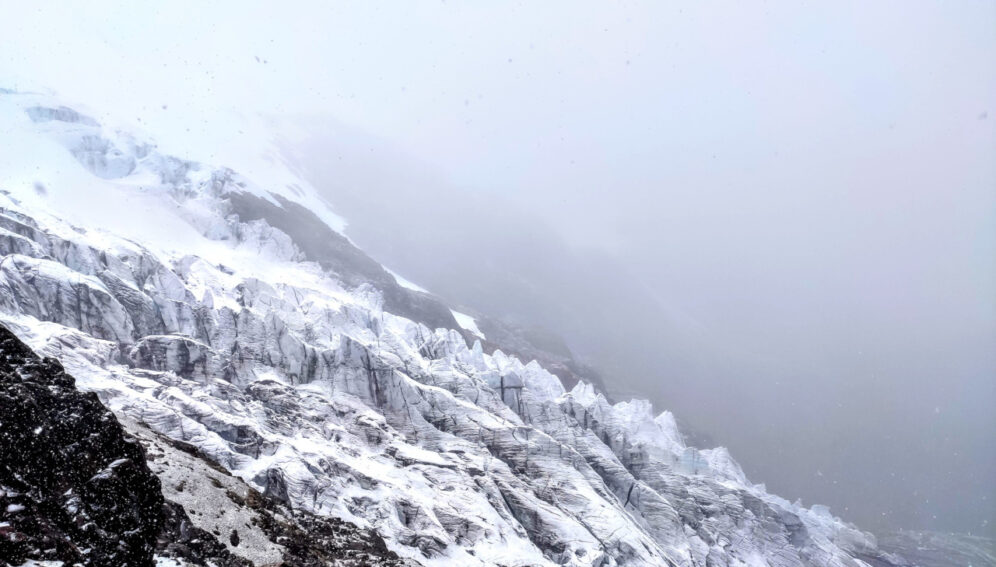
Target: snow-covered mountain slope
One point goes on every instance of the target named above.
(78, 487)
(234, 318)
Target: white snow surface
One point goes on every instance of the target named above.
(467, 322)
(125, 267)
(406, 283)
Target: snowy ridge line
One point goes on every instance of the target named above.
(468, 323)
(222, 332)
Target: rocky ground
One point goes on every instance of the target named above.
(73, 486)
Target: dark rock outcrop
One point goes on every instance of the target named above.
(73, 486)
(180, 538)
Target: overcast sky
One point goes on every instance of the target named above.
(810, 185)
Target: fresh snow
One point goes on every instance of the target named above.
(467, 322)
(406, 283)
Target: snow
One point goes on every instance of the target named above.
(203, 490)
(584, 393)
(467, 322)
(125, 207)
(406, 283)
(418, 454)
(132, 205)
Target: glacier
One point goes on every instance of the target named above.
(238, 318)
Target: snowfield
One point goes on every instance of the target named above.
(142, 273)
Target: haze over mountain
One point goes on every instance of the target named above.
(778, 222)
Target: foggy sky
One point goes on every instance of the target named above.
(777, 221)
